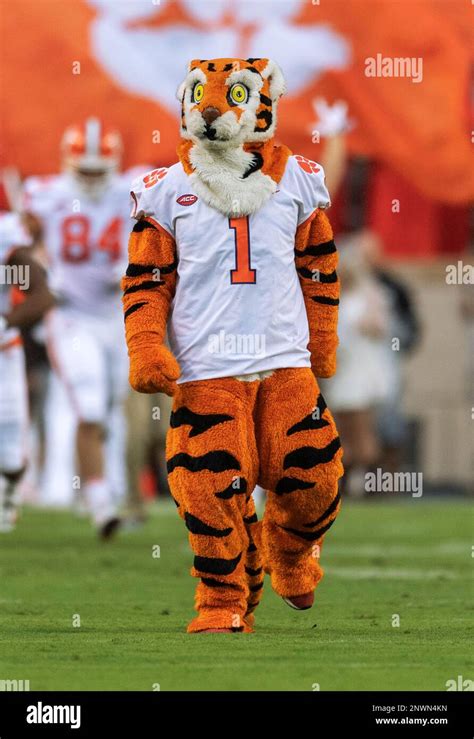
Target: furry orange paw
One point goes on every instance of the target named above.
(155, 371)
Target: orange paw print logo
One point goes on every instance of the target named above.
(153, 177)
(307, 164)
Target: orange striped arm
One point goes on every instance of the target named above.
(148, 289)
(316, 261)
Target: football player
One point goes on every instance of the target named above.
(18, 271)
(84, 216)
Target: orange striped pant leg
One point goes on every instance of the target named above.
(300, 466)
(211, 469)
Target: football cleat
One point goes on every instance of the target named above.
(300, 602)
(109, 528)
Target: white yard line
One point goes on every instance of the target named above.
(453, 546)
(391, 573)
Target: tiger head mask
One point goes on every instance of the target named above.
(228, 121)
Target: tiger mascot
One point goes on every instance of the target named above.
(233, 254)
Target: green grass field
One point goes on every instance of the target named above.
(412, 559)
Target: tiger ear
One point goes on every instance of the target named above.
(258, 63)
(273, 73)
(195, 63)
(191, 65)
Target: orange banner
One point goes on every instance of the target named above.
(402, 67)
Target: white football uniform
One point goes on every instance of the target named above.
(86, 242)
(13, 387)
(238, 307)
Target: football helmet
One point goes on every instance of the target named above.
(91, 153)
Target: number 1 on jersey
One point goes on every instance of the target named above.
(242, 274)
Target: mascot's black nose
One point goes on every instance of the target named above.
(210, 114)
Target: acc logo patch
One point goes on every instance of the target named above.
(307, 165)
(186, 199)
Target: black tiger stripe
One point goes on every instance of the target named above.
(228, 67)
(289, 484)
(309, 456)
(211, 583)
(147, 285)
(324, 278)
(265, 100)
(253, 59)
(218, 461)
(252, 69)
(325, 301)
(309, 422)
(267, 116)
(137, 270)
(230, 490)
(168, 268)
(257, 163)
(254, 573)
(326, 513)
(216, 565)
(211, 67)
(196, 526)
(200, 422)
(251, 547)
(142, 225)
(309, 535)
(317, 250)
(251, 519)
(256, 588)
(132, 309)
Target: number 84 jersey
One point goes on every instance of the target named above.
(85, 239)
(238, 307)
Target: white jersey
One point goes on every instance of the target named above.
(238, 307)
(12, 235)
(86, 240)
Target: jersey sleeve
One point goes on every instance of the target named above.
(309, 187)
(12, 235)
(37, 198)
(152, 199)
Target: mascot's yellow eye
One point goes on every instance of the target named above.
(239, 94)
(198, 92)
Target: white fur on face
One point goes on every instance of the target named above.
(218, 180)
(221, 165)
(229, 129)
